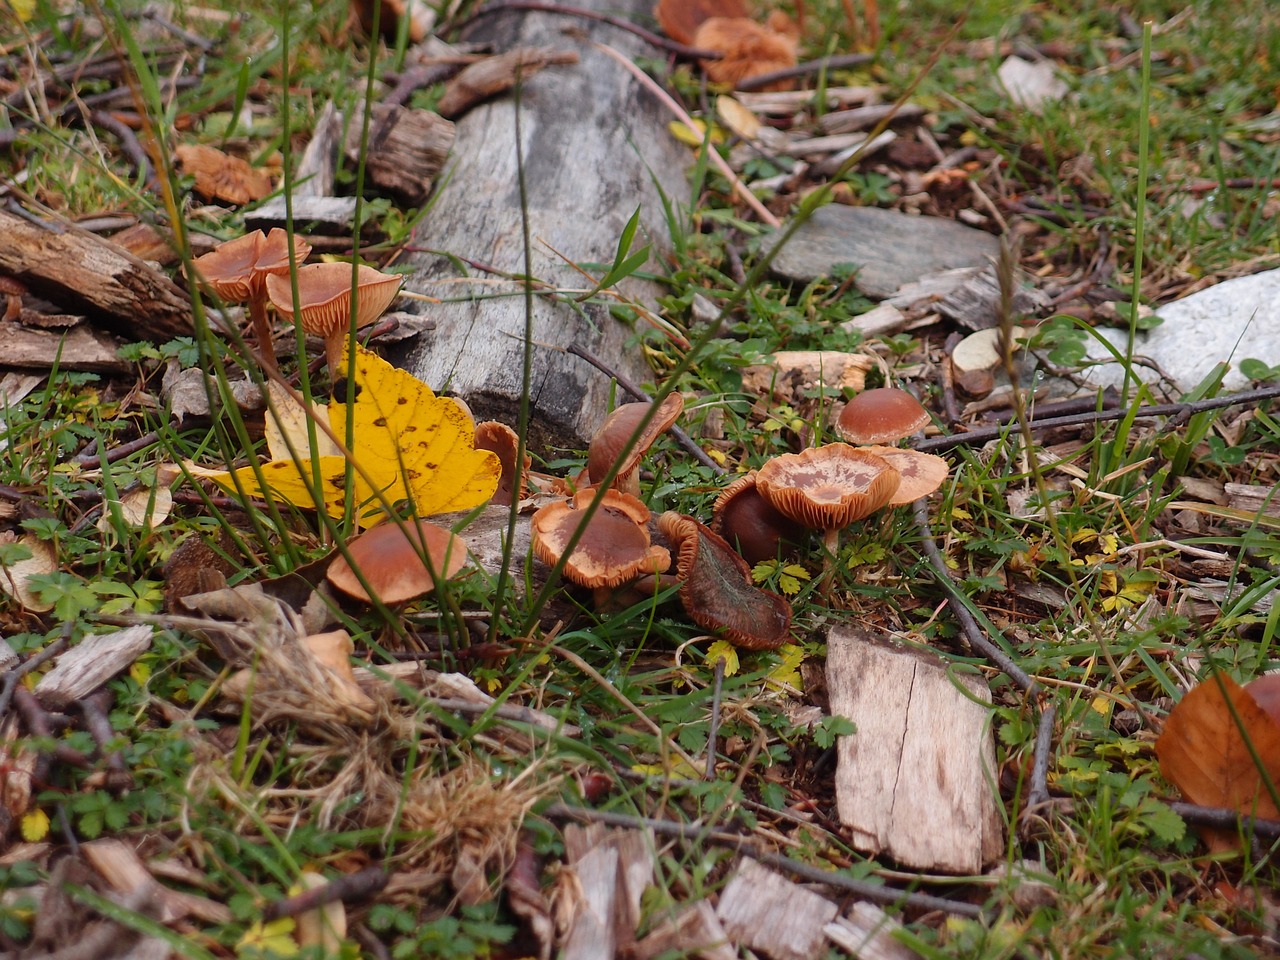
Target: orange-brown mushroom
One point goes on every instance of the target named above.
(617, 430)
(747, 49)
(324, 300)
(680, 19)
(751, 523)
(921, 473)
(614, 548)
(398, 562)
(497, 437)
(237, 272)
(827, 488)
(717, 591)
(882, 415)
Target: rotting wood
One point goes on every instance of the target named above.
(694, 931)
(765, 911)
(82, 273)
(91, 663)
(595, 147)
(78, 348)
(916, 779)
(635, 868)
(594, 934)
(867, 934)
(405, 150)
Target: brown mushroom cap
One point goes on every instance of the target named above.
(829, 487)
(237, 269)
(609, 441)
(324, 296)
(717, 591)
(498, 438)
(391, 558)
(613, 549)
(922, 473)
(749, 522)
(882, 415)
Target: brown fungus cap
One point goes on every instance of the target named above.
(324, 296)
(751, 523)
(391, 559)
(717, 591)
(882, 415)
(237, 269)
(498, 438)
(829, 487)
(611, 439)
(613, 550)
(922, 473)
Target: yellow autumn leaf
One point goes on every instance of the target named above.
(406, 444)
(725, 649)
(274, 939)
(787, 673)
(24, 10)
(35, 825)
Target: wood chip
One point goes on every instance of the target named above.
(124, 870)
(867, 933)
(765, 911)
(694, 931)
(594, 935)
(915, 780)
(792, 372)
(91, 663)
(406, 150)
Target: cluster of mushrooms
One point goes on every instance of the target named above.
(756, 518)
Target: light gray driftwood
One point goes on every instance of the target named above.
(91, 663)
(593, 142)
(916, 781)
(770, 914)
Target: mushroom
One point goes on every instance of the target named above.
(237, 271)
(717, 591)
(827, 488)
(500, 439)
(921, 473)
(324, 300)
(882, 415)
(749, 522)
(614, 548)
(617, 430)
(398, 562)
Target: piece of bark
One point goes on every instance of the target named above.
(494, 75)
(315, 216)
(91, 663)
(694, 931)
(765, 911)
(318, 165)
(82, 273)
(975, 303)
(594, 935)
(405, 151)
(867, 934)
(78, 348)
(1256, 498)
(792, 372)
(595, 147)
(915, 780)
(635, 867)
(122, 868)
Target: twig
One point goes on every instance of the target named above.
(841, 62)
(1179, 411)
(633, 388)
(91, 459)
(1038, 793)
(128, 142)
(532, 6)
(349, 887)
(714, 731)
(506, 711)
(11, 678)
(745, 845)
(96, 721)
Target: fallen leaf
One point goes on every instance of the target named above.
(406, 444)
(1203, 751)
(324, 927)
(15, 578)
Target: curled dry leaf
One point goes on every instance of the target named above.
(716, 588)
(1204, 750)
(15, 578)
(220, 176)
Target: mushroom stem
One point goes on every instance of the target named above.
(830, 544)
(333, 346)
(262, 331)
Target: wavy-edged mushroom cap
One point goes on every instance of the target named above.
(922, 473)
(397, 561)
(680, 19)
(498, 438)
(324, 296)
(717, 591)
(614, 548)
(882, 415)
(828, 487)
(237, 269)
(750, 522)
(611, 439)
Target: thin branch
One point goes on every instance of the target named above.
(841, 62)
(349, 887)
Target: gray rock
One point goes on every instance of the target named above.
(1231, 321)
(891, 248)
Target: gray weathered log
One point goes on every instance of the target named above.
(594, 142)
(82, 273)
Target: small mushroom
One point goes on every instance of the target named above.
(237, 272)
(398, 561)
(614, 548)
(751, 523)
(324, 301)
(611, 439)
(882, 415)
(827, 488)
(717, 591)
(921, 473)
(500, 439)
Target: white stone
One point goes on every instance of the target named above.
(1231, 321)
(1031, 85)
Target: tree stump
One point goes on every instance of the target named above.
(594, 143)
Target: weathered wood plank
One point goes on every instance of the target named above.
(915, 781)
(593, 143)
(766, 912)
